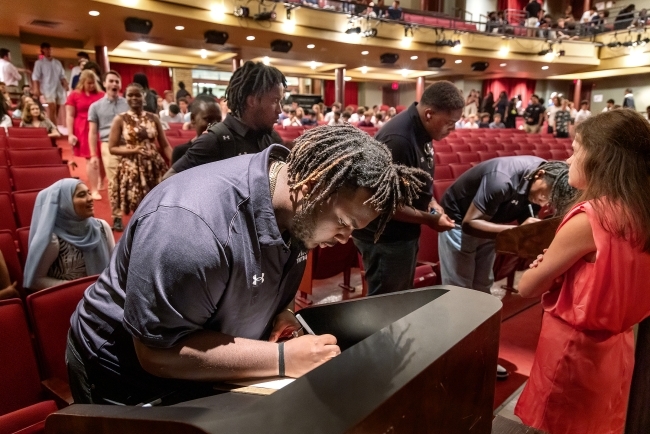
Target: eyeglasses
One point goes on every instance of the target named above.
(428, 151)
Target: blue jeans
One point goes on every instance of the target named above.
(390, 267)
(466, 261)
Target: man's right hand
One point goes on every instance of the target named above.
(530, 220)
(94, 162)
(441, 223)
(304, 353)
(72, 140)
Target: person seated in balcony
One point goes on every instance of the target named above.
(395, 11)
(285, 113)
(295, 118)
(24, 100)
(562, 30)
(33, 117)
(497, 122)
(318, 113)
(492, 24)
(309, 118)
(367, 120)
(66, 241)
(379, 8)
(642, 20)
(568, 15)
(532, 10)
(624, 18)
(485, 121)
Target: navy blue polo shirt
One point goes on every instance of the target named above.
(410, 145)
(202, 252)
(498, 188)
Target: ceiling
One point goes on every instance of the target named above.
(74, 29)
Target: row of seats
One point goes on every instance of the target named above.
(23, 132)
(24, 142)
(501, 146)
(16, 178)
(476, 157)
(30, 156)
(16, 209)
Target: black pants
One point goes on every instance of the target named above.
(562, 135)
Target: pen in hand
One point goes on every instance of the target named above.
(530, 209)
(304, 324)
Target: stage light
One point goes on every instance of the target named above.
(204, 54)
(353, 30)
(218, 12)
(266, 60)
(544, 67)
(242, 12)
(370, 33)
(459, 61)
(265, 16)
(347, 78)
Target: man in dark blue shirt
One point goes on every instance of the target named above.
(484, 201)
(201, 285)
(390, 262)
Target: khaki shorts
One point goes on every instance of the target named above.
(531, 128)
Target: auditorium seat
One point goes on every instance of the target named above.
(7, 220)
(526, 146)
(557, 145)
(291, 133)
(505, 154)
(22, 236)
(494, 147)
(176, 141)
(446, 157)
(187, 134)
(559, 154)
(475, 147)
(487, 155)
(437, 147)
(439, 188)
(442, 171)
(467, 157)
(3, 142)
(524, 152)
(543, 154)
(49, 313)
(22, 408)
(172, 133)
(510, 147)
(28, 142)
(3, 132)
(542, 147)
(5, 180)
(26, 132)
(455, 141)
(34, 157)
(24, 201)
(16, 122)
(10, 254)
(458, 169)
(371, 131)
(4, 162)
(459, 147)
(37, 177)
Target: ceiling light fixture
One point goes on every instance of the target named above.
(404, 72)
(93, 13)
(502, 65)
(218, 12)
(414, 57)
(143, 46)
(545, 67)
(179, 28)
(250, 38)
(364, 69)
(364, 53)
(310, 46)
(458, 61)
(314, 64)
(347, 78)
(266, 60)
(204, 54)
(155, 62)
(504, 51)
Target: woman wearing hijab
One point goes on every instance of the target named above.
(66, 242)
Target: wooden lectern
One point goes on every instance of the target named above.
(418, 361)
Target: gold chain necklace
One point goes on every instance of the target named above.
(276, 166)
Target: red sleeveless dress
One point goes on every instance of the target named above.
(581, 376)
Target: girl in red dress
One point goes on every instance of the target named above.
(595, 281)
(76, 109)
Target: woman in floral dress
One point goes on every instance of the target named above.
(133, 137)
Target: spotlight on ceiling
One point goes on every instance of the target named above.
(480, 66)
(353, 30)
(281, 45)
(436, 62)
(389, 58)
(138, 25)
(215, 37)
(242, 12)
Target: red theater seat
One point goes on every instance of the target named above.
(446, 157)
(187, 134)
(459, 147)
(438, 147)
(467, 157)
(28, 142)
(487, 155)
(524, 152)
(7, 220)
(511, 147)
(175, 141)
(506, 153)
(34, 157)
(4, 162)
(543, 154)
(24, 201)
(559, 154)
(23, 244)
(475, 147)
(443, 171)
(542, 147)
(526, 146)
(10, 254)
(494, 147)
(5, 180)
(38, 177)
(27, 132)
(459, 168)
(440, 187)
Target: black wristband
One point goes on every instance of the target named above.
(281, 359)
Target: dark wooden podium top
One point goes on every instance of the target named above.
(431, 368)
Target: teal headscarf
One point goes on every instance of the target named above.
(54, 213)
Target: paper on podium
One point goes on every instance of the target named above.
(264, 386)
(527, 241)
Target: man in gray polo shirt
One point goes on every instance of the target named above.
(100, 118)
(201, 285)
(49, 81)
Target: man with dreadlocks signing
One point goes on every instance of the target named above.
(202, 284)
(484, 201)
(254, 95)
(390, 259)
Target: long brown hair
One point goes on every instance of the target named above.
(617, 170)
(27, 113)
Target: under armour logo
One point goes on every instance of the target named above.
(515, 201)
(421, 159)
(225, 137)
(258, 280)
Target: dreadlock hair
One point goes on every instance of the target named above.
(251, 79)
(556, 174)
(334, 157)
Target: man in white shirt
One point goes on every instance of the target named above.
(589, 14)
(336, 118)
(609, 106)
(9, 74)
(330, 115)
(49, 81)
(583, 113)
(172, 115)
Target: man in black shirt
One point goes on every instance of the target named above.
(204, 112)
(390, 260)
(534, 116)
(532, 12)
(254, 97)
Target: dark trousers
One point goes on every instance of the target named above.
(390, 267)
(562, 135)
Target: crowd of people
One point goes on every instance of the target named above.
(238, 211)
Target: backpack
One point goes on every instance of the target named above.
(227, 148)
